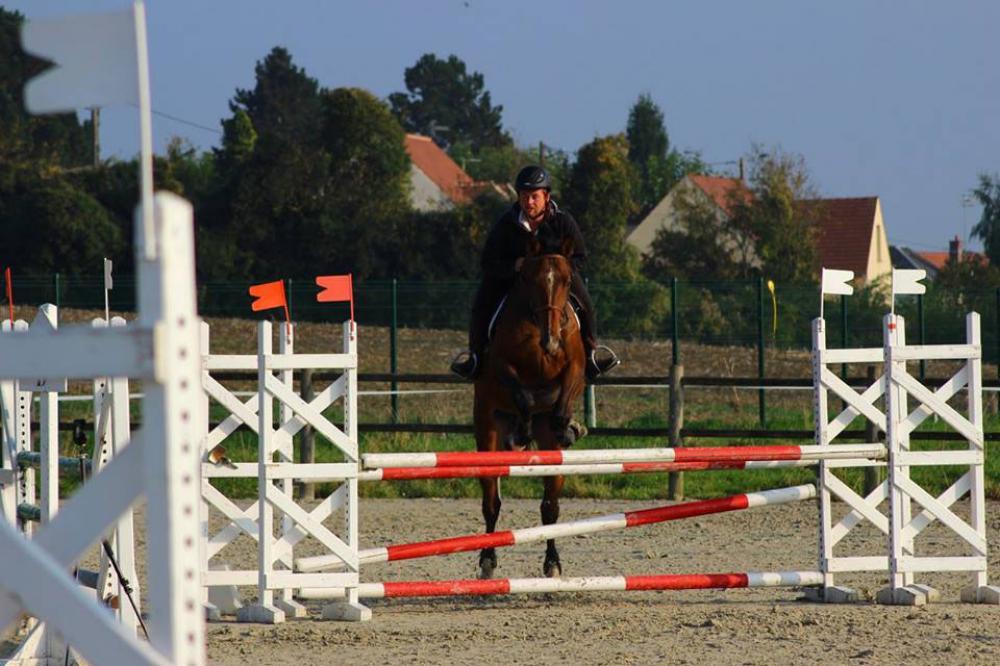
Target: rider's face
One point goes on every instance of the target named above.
(533, 202)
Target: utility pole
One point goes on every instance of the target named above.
(541, 153)
(95, 122)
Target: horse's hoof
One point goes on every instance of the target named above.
(487, 565)
(552, 569)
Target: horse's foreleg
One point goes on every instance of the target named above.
(552, 567)
(486, 440)
(491, 513)
(562, 411)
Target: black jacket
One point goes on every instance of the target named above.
(508, 241)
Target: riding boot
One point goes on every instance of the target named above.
(468, 364)
(600, 358)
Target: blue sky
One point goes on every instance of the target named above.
(895, 99)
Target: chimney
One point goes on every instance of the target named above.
(955, 249)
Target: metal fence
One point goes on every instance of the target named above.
(736, 313)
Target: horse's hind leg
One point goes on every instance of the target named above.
(491, 513)
(552, 567)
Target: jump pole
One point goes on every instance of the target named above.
(589, 456)
(614, 521)
(480, 471)
(503, 586)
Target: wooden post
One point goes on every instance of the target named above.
(307, 445)
(675, 484)
(873, 475)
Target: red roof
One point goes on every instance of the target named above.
(939, 259)
(723, 191)
(441, 169)
(845, 236)
(935, 259)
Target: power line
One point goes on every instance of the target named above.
(183, 121)
(186, 122)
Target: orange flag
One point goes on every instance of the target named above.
(269, 295)
(336, 288)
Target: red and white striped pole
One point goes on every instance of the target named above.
(614, 521)
(499, 586)
(479, 471)
(590, 456)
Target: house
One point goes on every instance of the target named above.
(852, 232)
(718, 193)
(437, 182)
(932, 262)
(852, 236)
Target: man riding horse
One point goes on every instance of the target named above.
(534, 216)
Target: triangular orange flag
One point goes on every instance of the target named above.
(269, 295)
(336, 288)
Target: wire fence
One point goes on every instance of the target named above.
(734, 313)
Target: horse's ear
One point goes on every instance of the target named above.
(534, 247)
(567, 246)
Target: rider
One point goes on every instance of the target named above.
(534, 214)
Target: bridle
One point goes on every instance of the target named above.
(544, 309)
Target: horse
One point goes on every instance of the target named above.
(532, 375)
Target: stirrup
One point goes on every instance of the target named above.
(597, 367)
(465, 364)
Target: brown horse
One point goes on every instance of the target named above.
(533, 373)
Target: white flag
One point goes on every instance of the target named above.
(837, 281)
(108, 282)
(96, 61)
(907, 281)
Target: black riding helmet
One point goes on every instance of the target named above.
(533, 178)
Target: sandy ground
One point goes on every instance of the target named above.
(759, 626)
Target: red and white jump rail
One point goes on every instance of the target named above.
(504, 586)
(592, 456)
(614, 521)
(481, 471)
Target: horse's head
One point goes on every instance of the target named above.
(545, 279)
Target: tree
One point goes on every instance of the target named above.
(368, 183)
(44, 141)
(51, 226)
(988, 227)
(274, 172)
(600, 196)
(648, 146)
(782, 217)
(700, 246)
(448, 104)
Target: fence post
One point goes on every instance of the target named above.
(675, 338)
(307, 444)
(394, 386)
(873, 475)
(675, 482)
(57, 290)
(761, 406)
(920, 318)
(589, 408)
(843, 341)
